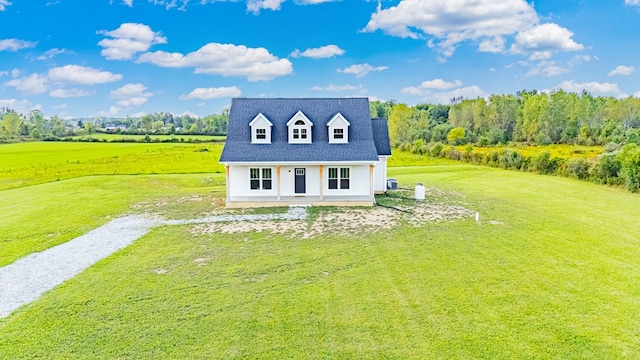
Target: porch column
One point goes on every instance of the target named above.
(278, 182)
(321, 184)
(371, 175)
(226, 170)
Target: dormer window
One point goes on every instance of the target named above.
(260, 130)
(338, 129)
(299, 129)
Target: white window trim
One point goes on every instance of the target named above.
(299, 116)
(339, 178)
(260, 122)
(338, 122)
(261, 178)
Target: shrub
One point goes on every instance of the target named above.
(436, 149)
(510, 159)
(483, 141)
(605, 170)
(578, 168)
(543, 164)
(456, 136)
(630, 166)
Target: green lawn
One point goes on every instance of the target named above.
(179, 137)
(24, 164)
(551, 271)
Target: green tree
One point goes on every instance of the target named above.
(12, 126)
(456, 135)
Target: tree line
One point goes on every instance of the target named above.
(528, 117)
(16, 127)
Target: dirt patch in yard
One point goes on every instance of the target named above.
(344, 221)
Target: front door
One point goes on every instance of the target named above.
(301, 182)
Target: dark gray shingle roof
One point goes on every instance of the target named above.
(361, 146)
(381, 136)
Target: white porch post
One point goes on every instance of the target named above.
(321, 184)
(278, 182)
(371, 175)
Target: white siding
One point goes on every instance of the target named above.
(380, 177)
(239, 182)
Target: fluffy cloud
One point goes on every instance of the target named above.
(128, 40)
(622, 70)
(318, 53)
(540, 41)
(486, 22)
(226, 60)
(15, 44)
(19, 106)
(70, 93)
(592, 87)
(337, 88)
(632, 2)
(4, 4)
(548, 69)
(212, 93)
(427, 86)
(255, 6)
(130, 95)
(129, 3)
(360, 70)
(33, 84)
(76, 74)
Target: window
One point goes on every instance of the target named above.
(296, 133)
(338, 133)
(261, 134)
(303, 133)
(260, 179)
(339, 178)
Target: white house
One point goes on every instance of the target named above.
(304, 151)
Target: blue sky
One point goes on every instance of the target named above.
(78, 58)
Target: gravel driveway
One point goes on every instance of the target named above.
(28, 278)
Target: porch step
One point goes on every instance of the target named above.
(299, 205)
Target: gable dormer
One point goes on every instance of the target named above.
(260, 130)
(338, 129)
(299, 129)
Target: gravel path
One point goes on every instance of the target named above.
(28, 278)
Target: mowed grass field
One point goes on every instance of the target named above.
(552, 270)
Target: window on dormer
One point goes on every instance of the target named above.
(261, 134)
(299, 129)
(338, 133)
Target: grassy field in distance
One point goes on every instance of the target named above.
(24, 164)
(179, 137)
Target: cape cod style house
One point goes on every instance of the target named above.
(304, 151)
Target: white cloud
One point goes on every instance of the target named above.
(33, 84)
(129, 3)
(128, 40)
(485, 22)
(130, 95)
(76, 74)
(337, 88)
(313, 2)
(452, 22)
(53, 52)
(255, 6)
(15, 44)
(4, 4)
(632, 2)
(622, 70)
(19, 106)
(318, 53)
(113, 111)
(212, 93)
(548, 69)
(360, 70)
(592, 87)
(70, 93)
(226, 60)
(15, 73)
(170, 4)
(469, 92)
(544, 39)
(427, 86)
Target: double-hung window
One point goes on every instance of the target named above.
(338, 133)
(260, 178)
(261, 134)
(339, 178)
